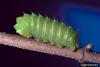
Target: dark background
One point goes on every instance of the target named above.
(10, 9)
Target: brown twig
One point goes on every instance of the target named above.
(82, 55)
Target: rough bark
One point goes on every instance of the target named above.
(82, 54)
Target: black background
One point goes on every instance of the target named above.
(9, 10)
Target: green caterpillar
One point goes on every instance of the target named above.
(47, 30)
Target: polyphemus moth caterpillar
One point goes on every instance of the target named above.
(47, 30)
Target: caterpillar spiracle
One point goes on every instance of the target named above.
(47, 30)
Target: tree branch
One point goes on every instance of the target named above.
(82, 55)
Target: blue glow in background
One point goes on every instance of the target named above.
(86, 21)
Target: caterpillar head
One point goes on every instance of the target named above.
(22, 26)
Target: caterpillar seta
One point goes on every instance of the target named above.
(47, 30)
